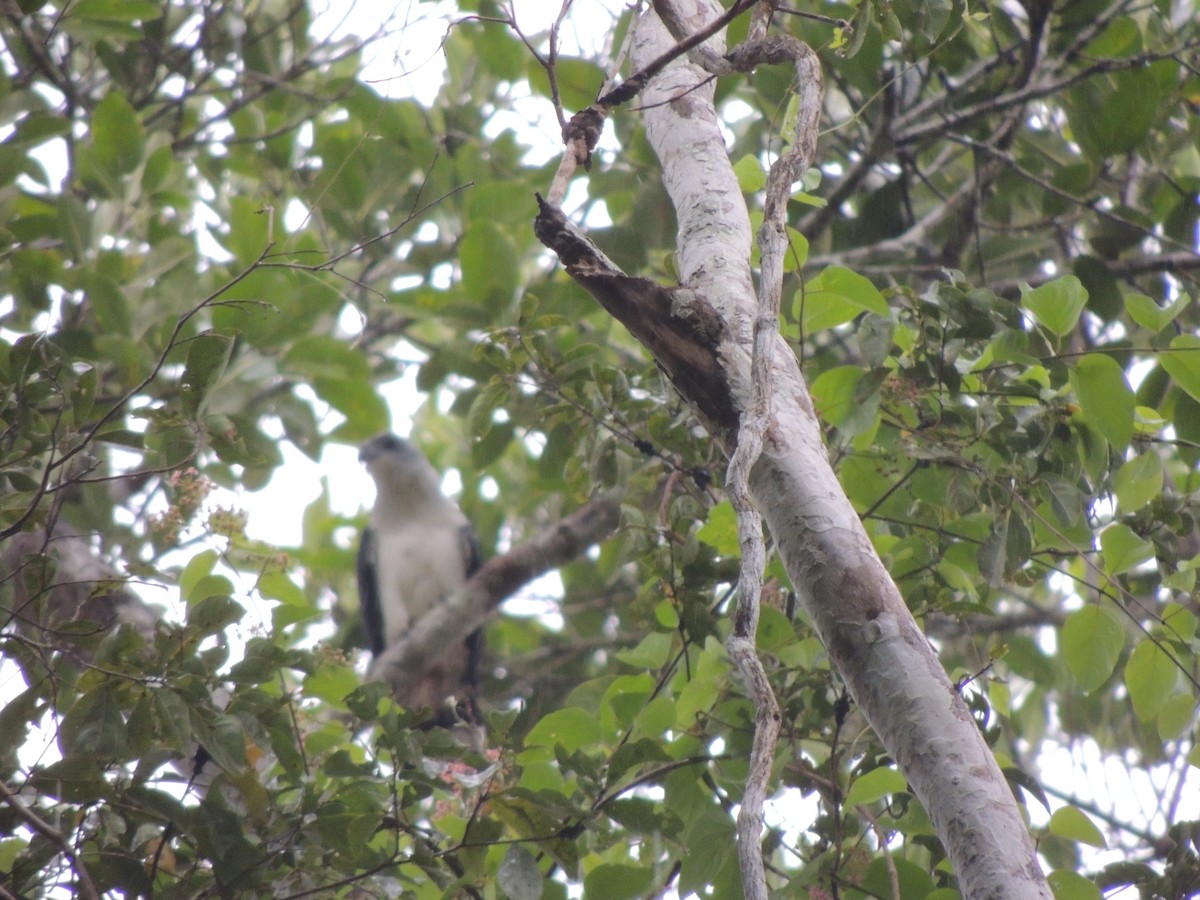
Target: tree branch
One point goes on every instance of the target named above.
(86, 886)
(498, 578)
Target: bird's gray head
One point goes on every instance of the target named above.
(387, 445)
(393, 461)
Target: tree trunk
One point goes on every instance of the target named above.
(701, 335)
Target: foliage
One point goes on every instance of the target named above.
(992, 295)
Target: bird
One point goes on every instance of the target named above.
(417, 549)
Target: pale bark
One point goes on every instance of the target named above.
(702, 336)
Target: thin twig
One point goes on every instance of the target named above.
(881, 836)
(86, 886)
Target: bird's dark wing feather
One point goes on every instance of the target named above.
(368, 592)
(473, 675)
(472, 554)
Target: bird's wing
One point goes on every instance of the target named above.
(368, 591)
(473, 670)
(471, 551)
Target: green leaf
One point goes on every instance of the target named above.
(1120, 39)
(1021, 779)
(639, 815)
(214, 613)
(1182, 362)
(1177, 716)
(489, 260)
(1111, 114)
(1074, 825)
(482, 414)
(340, 374)
(875, 785)
(835, 297)
(276, 585)
(750, 174)
(15, 716)
(500, 201)
(775, 631)
(10, 850)
(1104, 294)
(208, 355)
(117, 10)
(573, 728)
(719, 530)
(847, 397)
(534, 817)
(261, 663)
(1147, 313)
(1092, 640)
(1067, 500)
(196, 583)
(77, 779)
(1068, 885)
(930, 17)
(94, 727)
(992, 555)
(333, 684)
(625, 695)
(1179, 623)
(578, 81)
(713, 831)
(796, 255)
(198, 568)
(1122, 549)
(222, 736)
(1139, 481)
(1018, 545)
(1056, 304)
(1105, 398)
(172, 716)
(913, 880)
(117, 134)
(652, 652)
(654, 719)
(1150, 676)
(700, 692)
(519, 876)
(618, 882)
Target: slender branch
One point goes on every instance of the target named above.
(86, 886)
(881, 836)
(496, 580)
(918, 125)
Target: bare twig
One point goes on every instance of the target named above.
(87, 888)
(881, 836)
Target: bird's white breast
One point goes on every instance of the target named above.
(418, 565)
